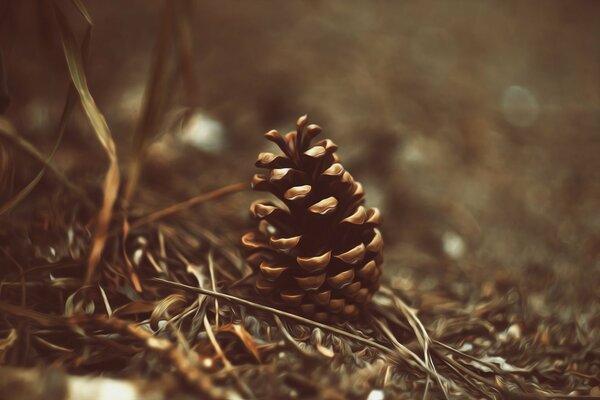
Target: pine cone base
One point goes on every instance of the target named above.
(317, 251)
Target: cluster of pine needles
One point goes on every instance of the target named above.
(122, 290)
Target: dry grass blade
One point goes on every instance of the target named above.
(230, 254)
(12, 203)
(161, 311)
(227, 364)
(491, 366)
(75, 64)
(7, 342)
(39, 318)
(83, 11)
(213, 283)
(133, 276)
(412, 356)
(186, 49)
(245, 337)
(294, 344)
(22, 282)
(420, 333)
(213, 340)
(8, 131)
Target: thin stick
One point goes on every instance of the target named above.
(187, 368)
(286, 314)
(154, 99)
(175, 208)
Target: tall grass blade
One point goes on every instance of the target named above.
(75, 64)
(155, 98)
(7, 130)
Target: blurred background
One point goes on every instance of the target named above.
(474, 126)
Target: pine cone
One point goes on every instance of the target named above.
(318, 251)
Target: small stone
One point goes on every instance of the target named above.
(376, 394)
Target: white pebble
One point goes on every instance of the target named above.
(101, 389)
(204, 133)
(519, 106)
(376, 394)
(454, 245)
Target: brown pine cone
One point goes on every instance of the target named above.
(318, 251)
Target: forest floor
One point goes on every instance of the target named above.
(125, 163)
